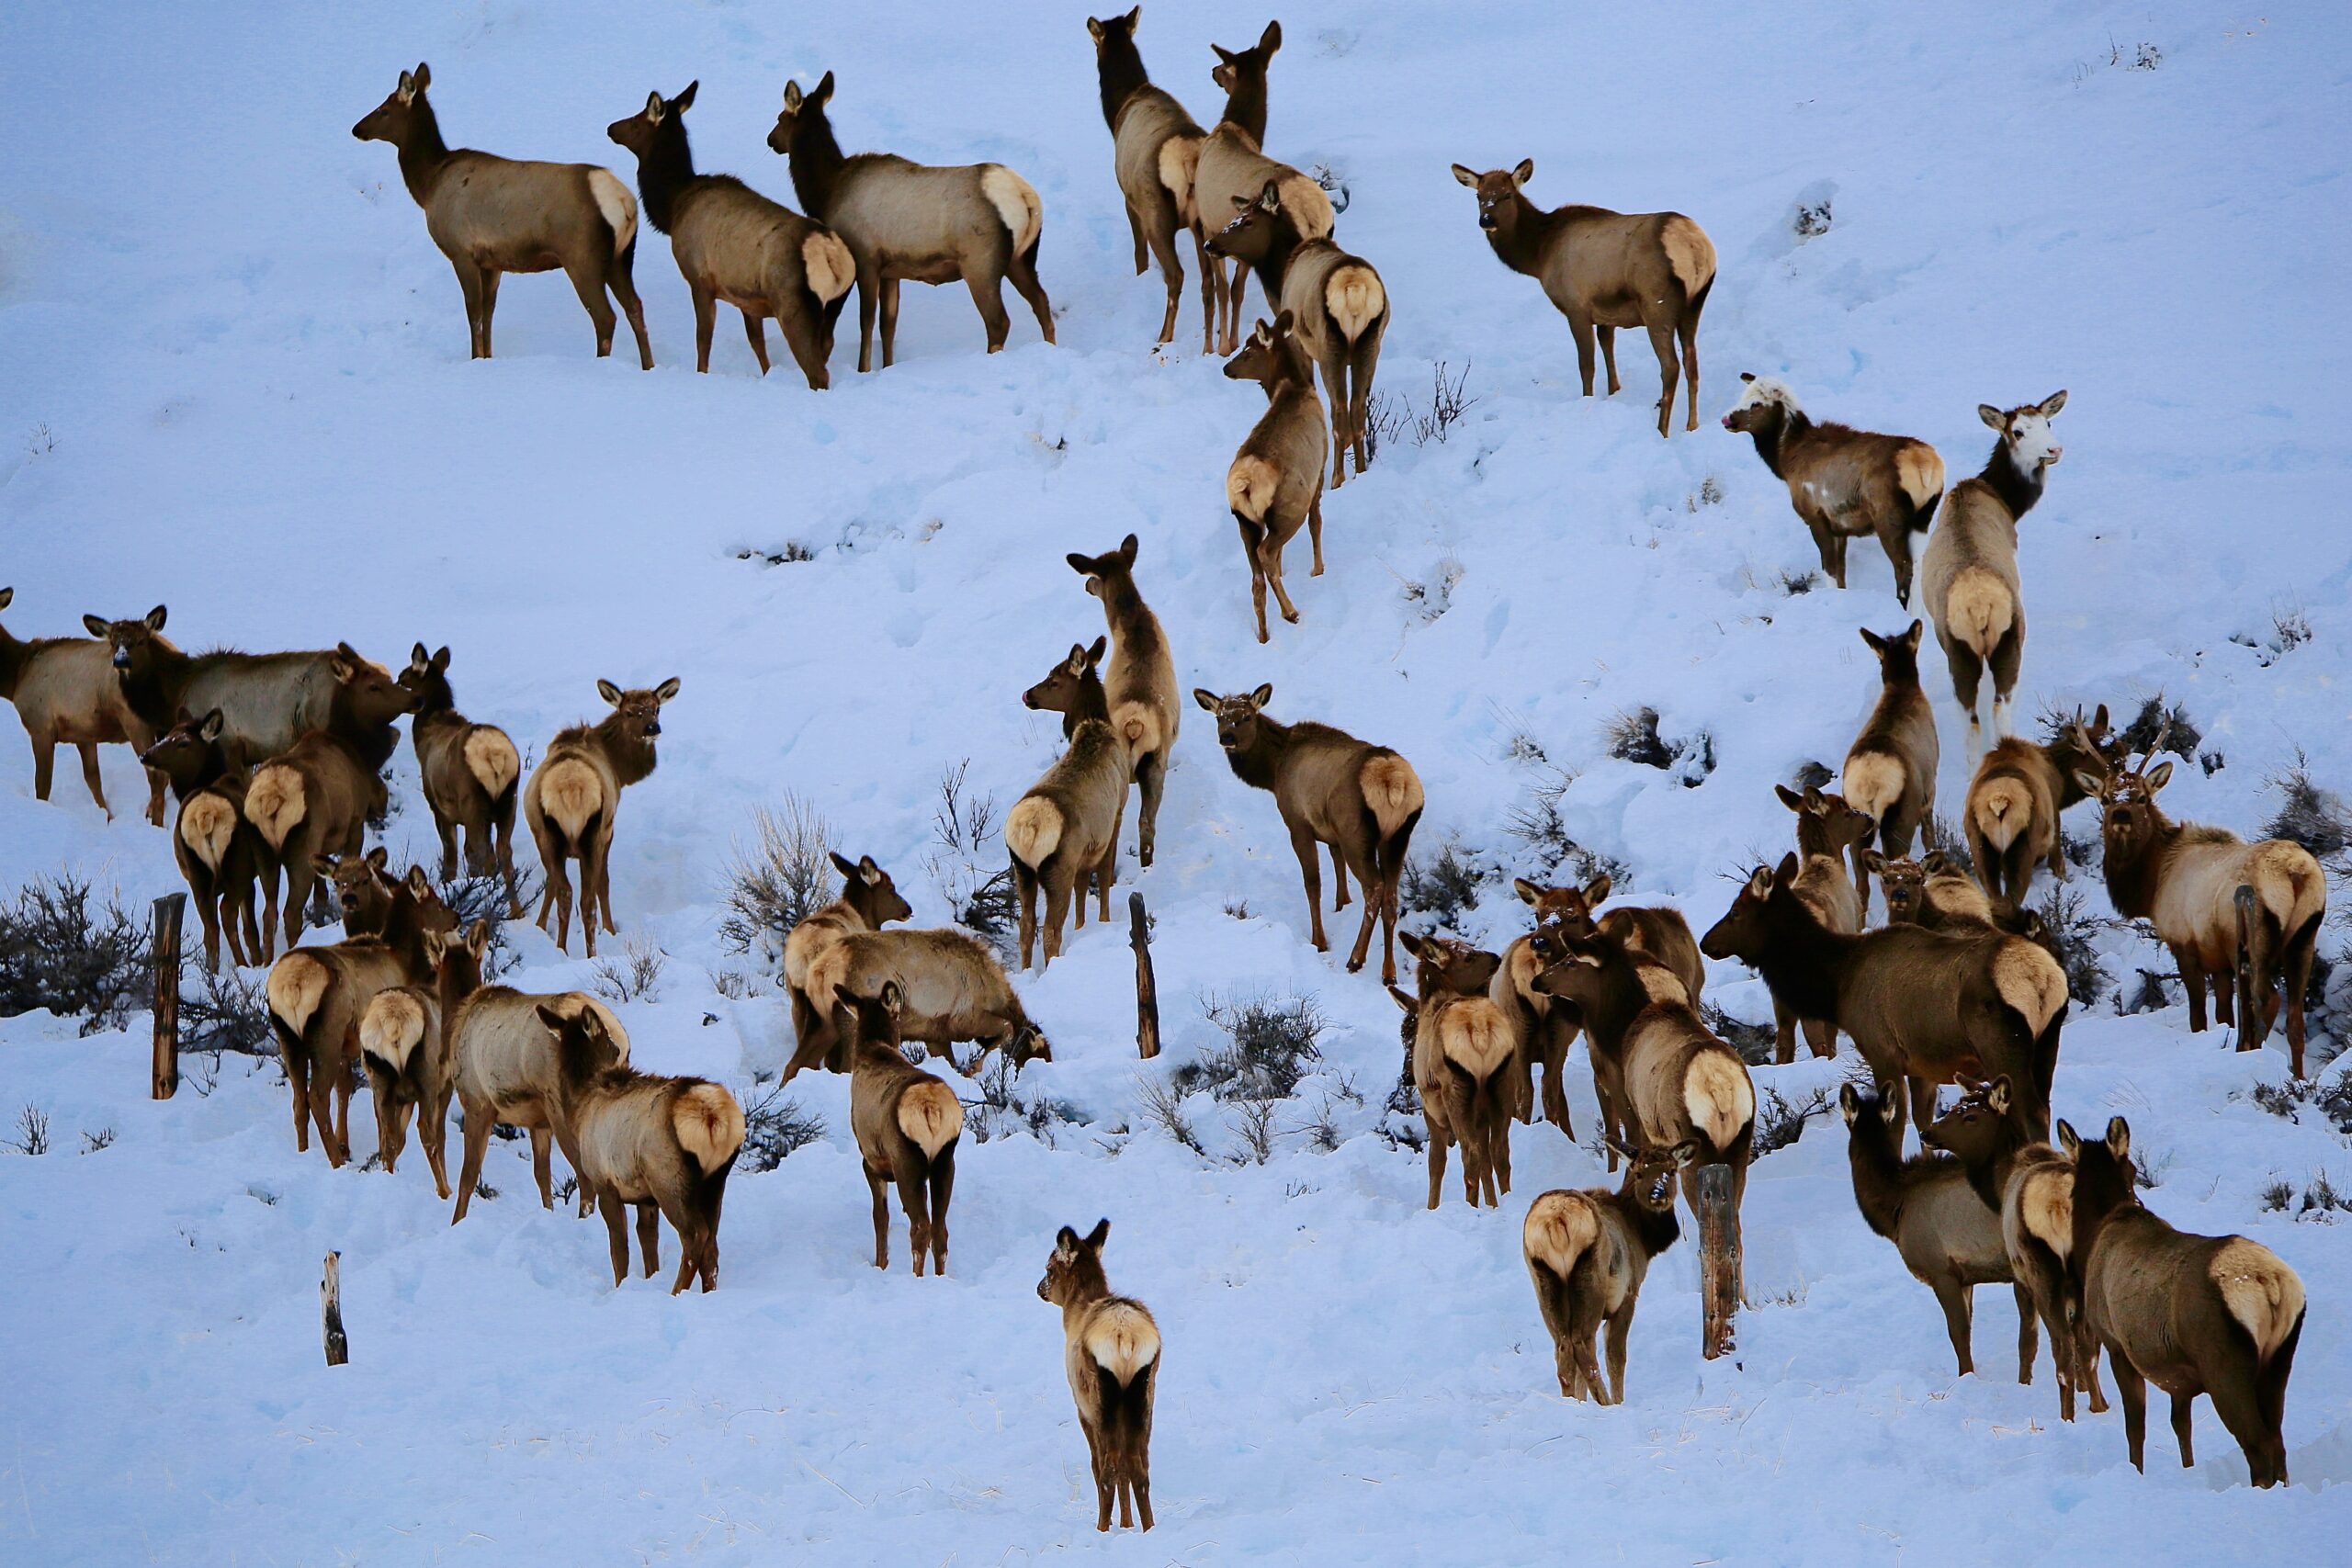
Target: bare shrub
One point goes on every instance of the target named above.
(1754, 1041)
(60, 954)
(1445, 886)
(1163, 1107)
(2071, 929)
(2308, 815)
(1448, 403)
(101, 1139)
(774, 1127)
(779, 879)
(32, 1132)
(483, 898)
(1268, 1046)
(1633, 737)
(224, 1012)
(1003, 1109)
(635, 976)
(1537, 822)
(1253, 1126)
(964, 825)
(2155, 716)
(1779, 1122)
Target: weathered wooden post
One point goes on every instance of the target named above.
(1719, 1261)
(1147, 983)
(168, 910)
(330, 1310)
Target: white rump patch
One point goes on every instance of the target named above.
(618, 206)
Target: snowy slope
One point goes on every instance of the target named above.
(232, 380)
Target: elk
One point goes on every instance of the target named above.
(902, 221)
(1155, 147)
(2031, 1187)
(1275, 481)
(1933, 893)
(316, 996)
(1140, 679)
(218, 852)
(731, 243)
(406, 1050)
(2213, 1314)
(1827, 831)
(1946, 1236)
(1232, 166)
(2239, 914)
(1890, 772)
(66, 689)
(574, 794)
(1336, 301)
(1843, 483)
(492, 215)
(1330, 788)
(361, 887)
(869, 900)
(469, 771)
(665, 1144)
(1605, 270)
(314, 800)
(1971, 565)
(907, 1122)
(1110, 1353)
(1463, 1046)
(951, 987)
(1065, 829)
(1587, 1252)
(1928, 1007)
(2015, 799)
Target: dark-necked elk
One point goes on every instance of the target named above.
(1970, 570)
(1336, 299)
(665, 1144)
(733, 244)
(572, 795)
(1933, 892)
(2218, 1316)
(2244, 916)
(869, 900)
(1232, 167)
(1110, 1352)
(314, 798)
(1274, 484)
(2014, 801)
(907, 1122)
(1066, 829)
(1463, 1046)
(1927, 1006)
(1155, 147)
(951, 988)
(914, 222)
(470, 773)
(412, 1073)
(492, 215)
(1828, 831)
(217, 850)
(1843, 483)
(1140, 682)
(361, 886)
(1948, 1236)
(66, 689)
(1587, 1251)
(1330, 788)
(1890, 772)
(1605, 270)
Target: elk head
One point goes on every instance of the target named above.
(128, 643)
(867, 885)
(1446, 965)
(362, 889)
(1249, 232)
(1747, 926)
(1108, 33)
(638, 710)
(185, 751)
(1237, 726)
(638, 131)
(2127, 798)
(1898, 656)
(1974, 1128)
(2025, 432)
(396, 117)
(1234, 69)
(1100, 570)
(1903, 881)
(1650, 1172)
(1763, 402)
(1074, 1270)
(366, 690)
(427, 677)
(1268, 352)
(1839, 826)
(1059, 692)
(797, 105)
(1498, 191)
(1570, 905)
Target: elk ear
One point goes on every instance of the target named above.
(2119, 1130)
(2047, 408)
(1097, 1235)
(1271, 198)
(655, 109)
(441, 659)
(2070, 1142)
(1992, 417)
(1082, 565)
(609, 692)
(1271, 39)
(418, 658)
(1223, 53)
(1206, 698)
(666, 690)
(2091, 786)
(1524, 173)
(418, 883)
(1996, 1095)
(1095, 28)
(478, 938)
(1465, 177)
(893, 997)
(341, 667)
(1878, 643)
(1128, 546)
(1911, 638)
(379, 857)
(843, 863)
(1095, 654)
(1076, 662)
(424, 79)
(1760, 882)
(1065, 1243)
(213, 724)
(2098, 720)
(1850, 1104)
(1686, 1152)
(94, 625)
(1285, 323)
(1786, 874)
(1416, 945)
(685, 100)
(1528, 891)
(792, 89)
(1262, 696)
(1937, 864)
(553, 1020)
(407, 89)
(822, 92)
(1789, 797)
(156, 619)
(1404, 1001)
(1596, 889)
(1874, 861)
(323, 864)
(8, 596)
(2157, 776)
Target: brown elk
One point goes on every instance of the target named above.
(2015, 799)
(1330, 788)
(951, 988)
(362, 888)
(733, 244)
(469, 771)
(1275, 482)
(1947, 1238)
(2213, 1314)
(316, 996)
(2242, 915)
(1110, 1353)
(869, 900)
(1463, 1046)
(1155, 147)
(1605, 270)
(1232, 165)
(1843, 483)
(66, 689)
(1337, 300)
(1970, 570)
(905, 221)
(1587, 1251)
(1140, 679)
(315, 798)
(573, 797)
(907, 1122)
(1066, 829)
(1890, 772)
(665, 1144)
(1828, 831)
(1927, 1006)
(217, 850)
(1933, 892)
(406, 1050)
(492, 215)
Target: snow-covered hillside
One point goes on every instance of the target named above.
(233, 380)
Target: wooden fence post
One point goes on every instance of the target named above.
(1719, 1261)
(1147, 983)
(168, 911)
(330, 1310)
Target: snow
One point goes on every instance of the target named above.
(232, 380)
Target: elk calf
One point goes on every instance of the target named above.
(67, 689)
(406, 1050)
(1829, 831)
(1065, 829)
(1587, 1252)
(1605, 270)
(2014, 802)
(951, 987)
(907, 1122)
(1140, 682)
(217, 850)
(2212, 1314)
(1275, 482)
(1155, 148)
(362, 888)
(1110, 1352)
(573, 797)
(469, 771)
(1933, 893)
(1890, 774)
(1331, 788)
(1463, 1046)
(1232, 167)
(869, 900)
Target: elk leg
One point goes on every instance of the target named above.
(1662, 340)
(297, 1062)
(1106, 872)
(756, 332)
(90, 775)
(1688, 330)
(2131, 1388)
(543, 1170)
(2028, 1334)
(1954, 1298)
(301, 881)
(1824, 543)
(1375, 909)
(649, 1233)
(1135, 232)
(2294, 980)
(1581, 328)
(1151, 777)
(1057, 910)
(2007, 655)
(1923, 1103)
(1333, 365)
(1171, 267)
(1438, 1141)
(705, 322)
(343, 1099)
(477, 1134)
(1784, 1033)
(2192, 980)
(44, 764)
(447, 830)
(1967, 672)
(207, 909)
(1555, 1088)
(942, 1187)
(321, 1089)
(1095, 1442)
(1608, 336)
(1837, 543)
(1821, 1037)
(1251, 533)
(587, 281)
(1365, 359)
(620, 280)
(490, 277)
(889, 300)
(1620, 1328)
(911, 1199)
(470, 284)
(2182, 1404)
(1024, 882)
(615, 1238)
(1340, 876)
(1893, 530)
(1211, 270)
(1022, 268)
(1310, 871)
(1269, 552)
(1315, 532)
(435, 1135)
(988, 299)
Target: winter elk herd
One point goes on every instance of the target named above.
(277, 762)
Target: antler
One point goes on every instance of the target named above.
(2163, 733)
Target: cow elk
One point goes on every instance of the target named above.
(573, 794)
(2015, 799)
(1110, 1352)
(1933, 892)
(1066, 829)
(1828, 832)
(1275, 482)
(1232, 167)
(1587, 1252)
(1330, 788)
(470, 773)
(1890, 772)
(868, 901)
(951, 988)
(66, 690)
(1140, 682)
(1605, 270)
(217, 850)
(492, 215)
(361, 887)
(1155, 148)
(907, 1122)
(406, 1050)
(1464, 1047)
